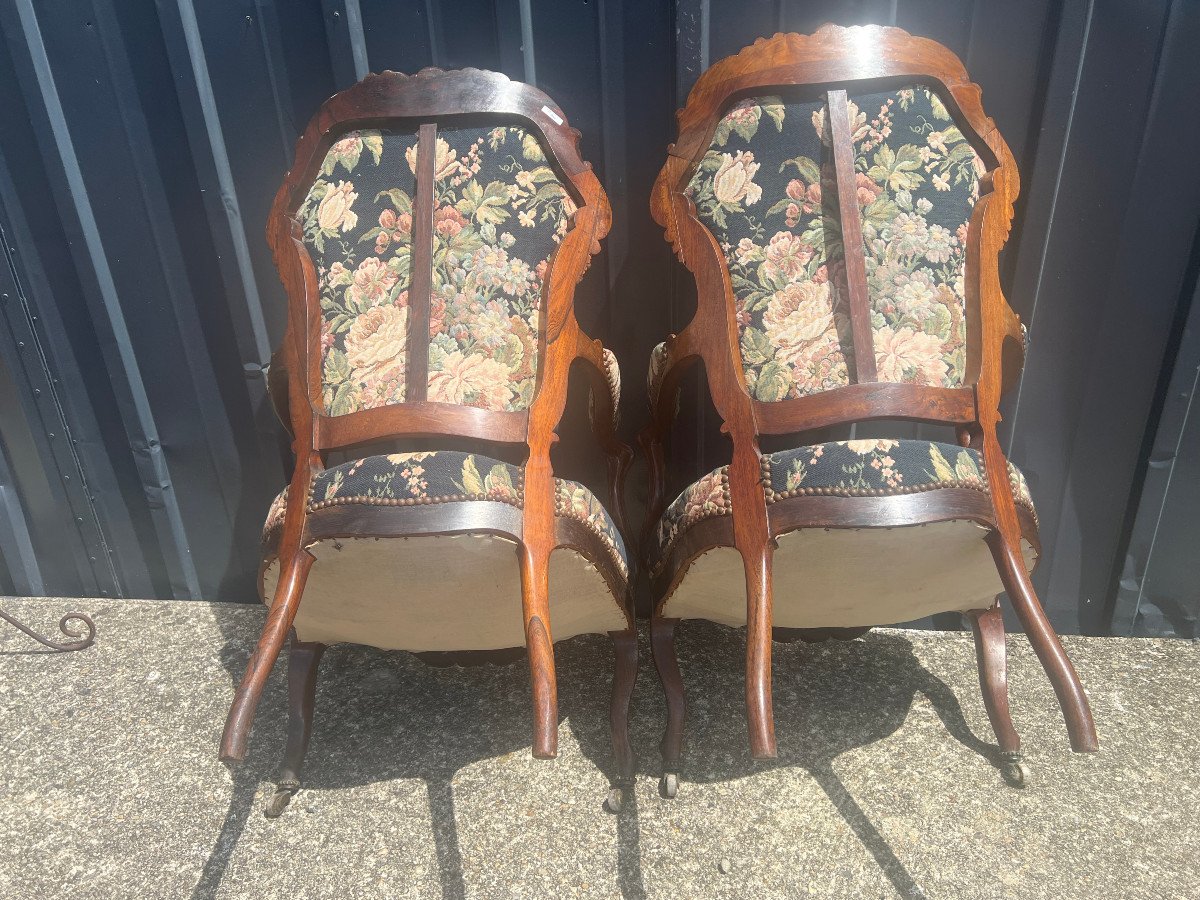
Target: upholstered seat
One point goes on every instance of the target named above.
(376, 590)
(827, 578)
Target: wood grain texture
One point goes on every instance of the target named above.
(417, 359)
(837, 108)
(991, 656)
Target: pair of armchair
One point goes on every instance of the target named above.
(841, 201)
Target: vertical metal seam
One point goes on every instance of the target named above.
(108, 292)
(358, 38)
(229, 198)
(705, 35)
(527, 54)
(433, 27)
(1165, 496)
(1062, 164)
(168, 254)
(286, 127)
(104, 554)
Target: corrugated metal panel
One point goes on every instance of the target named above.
(142, 145)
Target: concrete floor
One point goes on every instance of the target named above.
(420, 782)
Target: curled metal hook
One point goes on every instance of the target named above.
(82, 638)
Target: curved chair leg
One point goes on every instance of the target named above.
(535, 602)
(992, 659)
(624, 676)
(303, 659)
(274, 633)
(1071, 698)
(760, 716)
(662, 645)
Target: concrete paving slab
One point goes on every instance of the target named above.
(420, 782)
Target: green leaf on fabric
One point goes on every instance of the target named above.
(807, 169)
(756, 348)
(941, 468)
(472, 483)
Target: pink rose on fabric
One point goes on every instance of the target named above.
(448, 221)
(866, 189)
(797, 315)
(787, 255)
(471, 380)
(372, 281)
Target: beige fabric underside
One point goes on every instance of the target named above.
(850, 577)
(441, 592)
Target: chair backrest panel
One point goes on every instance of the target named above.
(766, 188)
(499, 211)
(357, 224)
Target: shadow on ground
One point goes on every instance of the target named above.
(382, 716)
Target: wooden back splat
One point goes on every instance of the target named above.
(838, 110)
(417, 371)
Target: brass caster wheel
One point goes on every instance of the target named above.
(1014, 770)
(615, 800)
(281, 798)
(669, 786)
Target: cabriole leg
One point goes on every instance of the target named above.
(535, 602)
(275, 631)
(760, 715)
(1071, 698)
(992, 660)
(303, 660)
(662, 644)
(624, 676)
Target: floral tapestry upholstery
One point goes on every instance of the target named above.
(357, 223)
(448, 476)
(500, 211)
(842, 469)
(766, 190)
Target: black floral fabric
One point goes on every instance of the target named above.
(766, 190)
(448, 476)
(500, 211)
(840, 468)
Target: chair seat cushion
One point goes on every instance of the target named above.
(838, 468)
(435, 590)
(448, 476)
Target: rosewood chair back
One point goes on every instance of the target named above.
(439, 311)
(835, 322)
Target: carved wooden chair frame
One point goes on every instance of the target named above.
(831, 59)
(295, 382)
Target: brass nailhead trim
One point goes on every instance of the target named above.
(773, 496)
